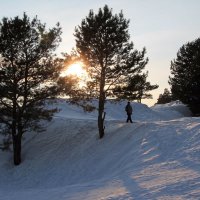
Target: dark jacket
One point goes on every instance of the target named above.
(128, 109)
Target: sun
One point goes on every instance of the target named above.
(75, 69)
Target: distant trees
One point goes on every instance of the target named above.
(166, 97)
(135, 87)
(102, 42)
(28, 71)
(185, 75)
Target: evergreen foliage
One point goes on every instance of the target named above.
(135, 87)
(185, 78)
(166, 97)
(28, 70)
(102, 42)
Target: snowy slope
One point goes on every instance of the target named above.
(156, 157)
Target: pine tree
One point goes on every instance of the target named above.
(185, 78)
(102, 42)
(166, 97)
(28, 71)
(135, 87)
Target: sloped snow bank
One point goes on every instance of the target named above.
(116, 111)
(143, 160)
(153, 158)
(175, 109)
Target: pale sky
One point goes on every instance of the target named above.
(162, 26)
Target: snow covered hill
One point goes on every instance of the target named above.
(156, 157)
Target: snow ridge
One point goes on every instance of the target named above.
(156, 157)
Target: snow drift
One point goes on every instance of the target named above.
(156, 157)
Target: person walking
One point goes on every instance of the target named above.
(129, 111)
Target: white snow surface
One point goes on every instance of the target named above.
(156, 157)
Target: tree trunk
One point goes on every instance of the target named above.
(101, 116)
(101, 125)
(17, 149)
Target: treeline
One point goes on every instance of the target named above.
(185, 78)
(30, 72)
